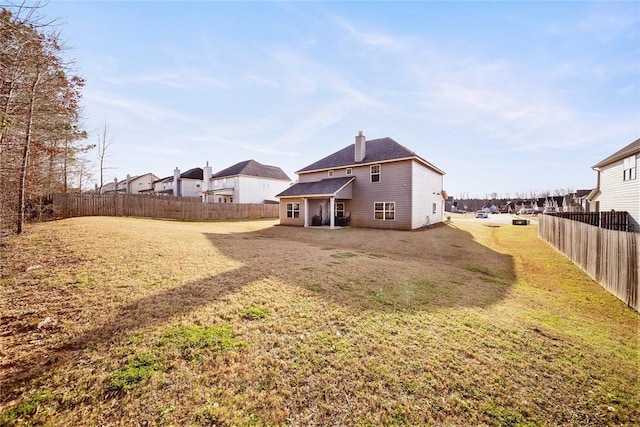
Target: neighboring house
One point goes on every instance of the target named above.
(130, 185)
(245, 182)
(187, 184)
(618, 184)
(549, 204)
(577, 201)
(377, 183)
(140, 184)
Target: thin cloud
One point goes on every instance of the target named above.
(178, 80)
(369, 39)
(139, 108)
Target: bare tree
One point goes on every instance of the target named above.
(39, 113)
(103, 154)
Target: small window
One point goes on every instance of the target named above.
(339, 210)
(629, 171)
(293, 210)
(230, 199)
(349, 171)
(385, 211)
(330, 173)
(434, 208)
(215, 182)
(375, 173)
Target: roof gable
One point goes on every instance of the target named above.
(253, 168)
(633, 148)
(377, 150)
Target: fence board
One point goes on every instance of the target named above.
(181, 208)
(609, 257)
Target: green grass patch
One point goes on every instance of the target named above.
(138, 368)
(193, 340)
(254, 313)
(25, 409)
(343, 255)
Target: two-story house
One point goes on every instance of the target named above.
(245, 182)
(618, 184)
(377, 184)
(186, 184)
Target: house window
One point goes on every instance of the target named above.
(330, 173)
(339, 210)
(215, 182)
(375, 173)
(230, 199)
(629, 172)
(385, 211)
(434, 208)
(293, 210)
(197, 184)
(349, 171)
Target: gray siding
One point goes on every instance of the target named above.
(394, 186)
(618, 194)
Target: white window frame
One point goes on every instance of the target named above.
(293, 208)
(330, 173)
(435, 208)
(349, 171)
(387, 211)
(340, 209)
(372, 173)
(629, 173)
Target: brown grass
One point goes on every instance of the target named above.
(245, 323)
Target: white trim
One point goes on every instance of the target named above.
(384, 211)
(379, 173)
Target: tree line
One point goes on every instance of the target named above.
(41, 135)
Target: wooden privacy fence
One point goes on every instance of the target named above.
(72, 205)
(614, 220)
(609, 257)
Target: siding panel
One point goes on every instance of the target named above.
(618, 194)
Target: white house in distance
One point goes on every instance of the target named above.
(131, 185)
(186, 184)
(244, 182)
(618, 184)
(377, 183)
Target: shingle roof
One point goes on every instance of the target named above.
(627, 151)
(195, 173)
(317, 188)
(377, 150)
(253, 168)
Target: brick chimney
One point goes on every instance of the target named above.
(361, 147)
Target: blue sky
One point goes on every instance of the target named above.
(505, 97)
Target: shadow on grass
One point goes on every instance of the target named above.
(377, 270)
(358, 269)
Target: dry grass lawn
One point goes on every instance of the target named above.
(123, 321)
